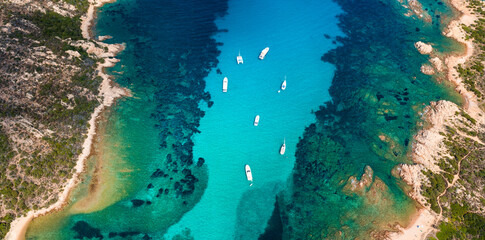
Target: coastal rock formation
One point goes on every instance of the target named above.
(441, 150)
(427, 69)
(429, 141)
(360, 186)
(437, 63)
(413, 176)
(417, 8)
(423, 48)
(427, 148)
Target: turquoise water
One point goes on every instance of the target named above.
(294, 32)
(170, 161)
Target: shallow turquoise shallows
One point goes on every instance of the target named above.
(165, 169)
(294, 32)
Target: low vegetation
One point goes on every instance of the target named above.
(46, 98)
(472, 72)
(457, 191)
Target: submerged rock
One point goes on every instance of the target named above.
(157, 173)
(200, 162)
(360, 187)
(137, 202)
(84, 230)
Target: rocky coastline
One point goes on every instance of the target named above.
(107, 93)
(441, 118)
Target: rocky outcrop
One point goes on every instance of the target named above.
(427, 69)
(359, 187)
(429, 141)
(437, 63)
(412, 175)
(423, 48)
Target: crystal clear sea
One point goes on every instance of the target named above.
(169, 161)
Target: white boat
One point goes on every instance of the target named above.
(224, 85)
(263, 53)
(256, 120)
(283, 148)
(249, 175)
(283, 85)
(239, 59)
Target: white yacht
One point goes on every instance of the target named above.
(239, 59)
(263, 53)
(249, 175)
(256, 120)
(283, 85)
(224, 85)
(283, 147)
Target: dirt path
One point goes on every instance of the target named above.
(455, 178)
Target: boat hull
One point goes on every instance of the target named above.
(263, 53)
(249, 175)
(239, 60)
(224, 84)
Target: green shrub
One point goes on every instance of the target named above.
(53, 25)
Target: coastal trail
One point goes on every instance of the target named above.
(456, 177)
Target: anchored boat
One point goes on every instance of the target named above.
(239, 59)
(283, 85)
(249, 175)
(263, 53)
(224, 84)
(283, 147)
(256, 120)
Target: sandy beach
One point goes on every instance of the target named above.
(108, 93)
(428, 141)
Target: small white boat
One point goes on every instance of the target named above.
(256, 120)
(283, 147)
(249, 175)
(224, 85)
(283, 85)
(263, 53)
(239, 59)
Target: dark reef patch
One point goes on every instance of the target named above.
(274, 229)
(85, 231)
(137, 202)
(122, 234)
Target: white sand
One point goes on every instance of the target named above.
(87, 20)
(108, 93)
(420, 228)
